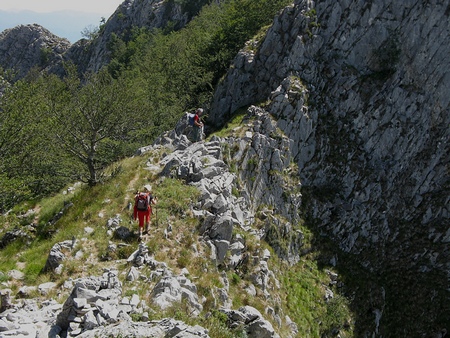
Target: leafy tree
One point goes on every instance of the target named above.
(92, 120)
(240, 21)
(171, 69)
(180, 69)
(15, 136)
(90, 32)
(124, 50)
(30, 166)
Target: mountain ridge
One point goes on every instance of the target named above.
(65, 24)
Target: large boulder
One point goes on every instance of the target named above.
(171, 290)
(58, 254)
(251, 319)
(90, 293)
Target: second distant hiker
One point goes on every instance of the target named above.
(198, 125)
(142, 208)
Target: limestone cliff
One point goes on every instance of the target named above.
(362, 91)
(130, 14)
(27, 46)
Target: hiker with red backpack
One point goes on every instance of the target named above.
(143, 209)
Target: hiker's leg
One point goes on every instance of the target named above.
(141, 216)
(147, 220)
(196, 129)
(190, 133)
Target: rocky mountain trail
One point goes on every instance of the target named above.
(338, 118)
(96, 305)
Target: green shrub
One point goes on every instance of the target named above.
(337, 315)
(235, 279)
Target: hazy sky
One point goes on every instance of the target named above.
(103, 7)
(77, 15)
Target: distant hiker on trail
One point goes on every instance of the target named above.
(198, 125)
(143, 209)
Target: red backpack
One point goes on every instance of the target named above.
(142, 201)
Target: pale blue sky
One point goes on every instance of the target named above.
(65, 18)
(103, 7)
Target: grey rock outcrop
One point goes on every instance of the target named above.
(169, 290)
(95, 308)
(27, 46)
(90, 293)
(254, 323)
(200, 164)
(172, 290)
(159, 329)
(57, 255)
(13, 235)
(28, 318)
(231, 199)
(361, 90)
(226, 203)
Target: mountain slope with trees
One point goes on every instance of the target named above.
(153, 77)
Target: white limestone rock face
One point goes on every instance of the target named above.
(171, 290)
(31, 40)
(362, 91)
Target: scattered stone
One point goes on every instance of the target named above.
(45, 288)
(16, 274)
(5, 298)
(133, 274)
(57, 254)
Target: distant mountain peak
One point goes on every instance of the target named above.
(64, 23)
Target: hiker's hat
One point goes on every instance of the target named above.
(148, 187)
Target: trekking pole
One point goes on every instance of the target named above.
(156, 216)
